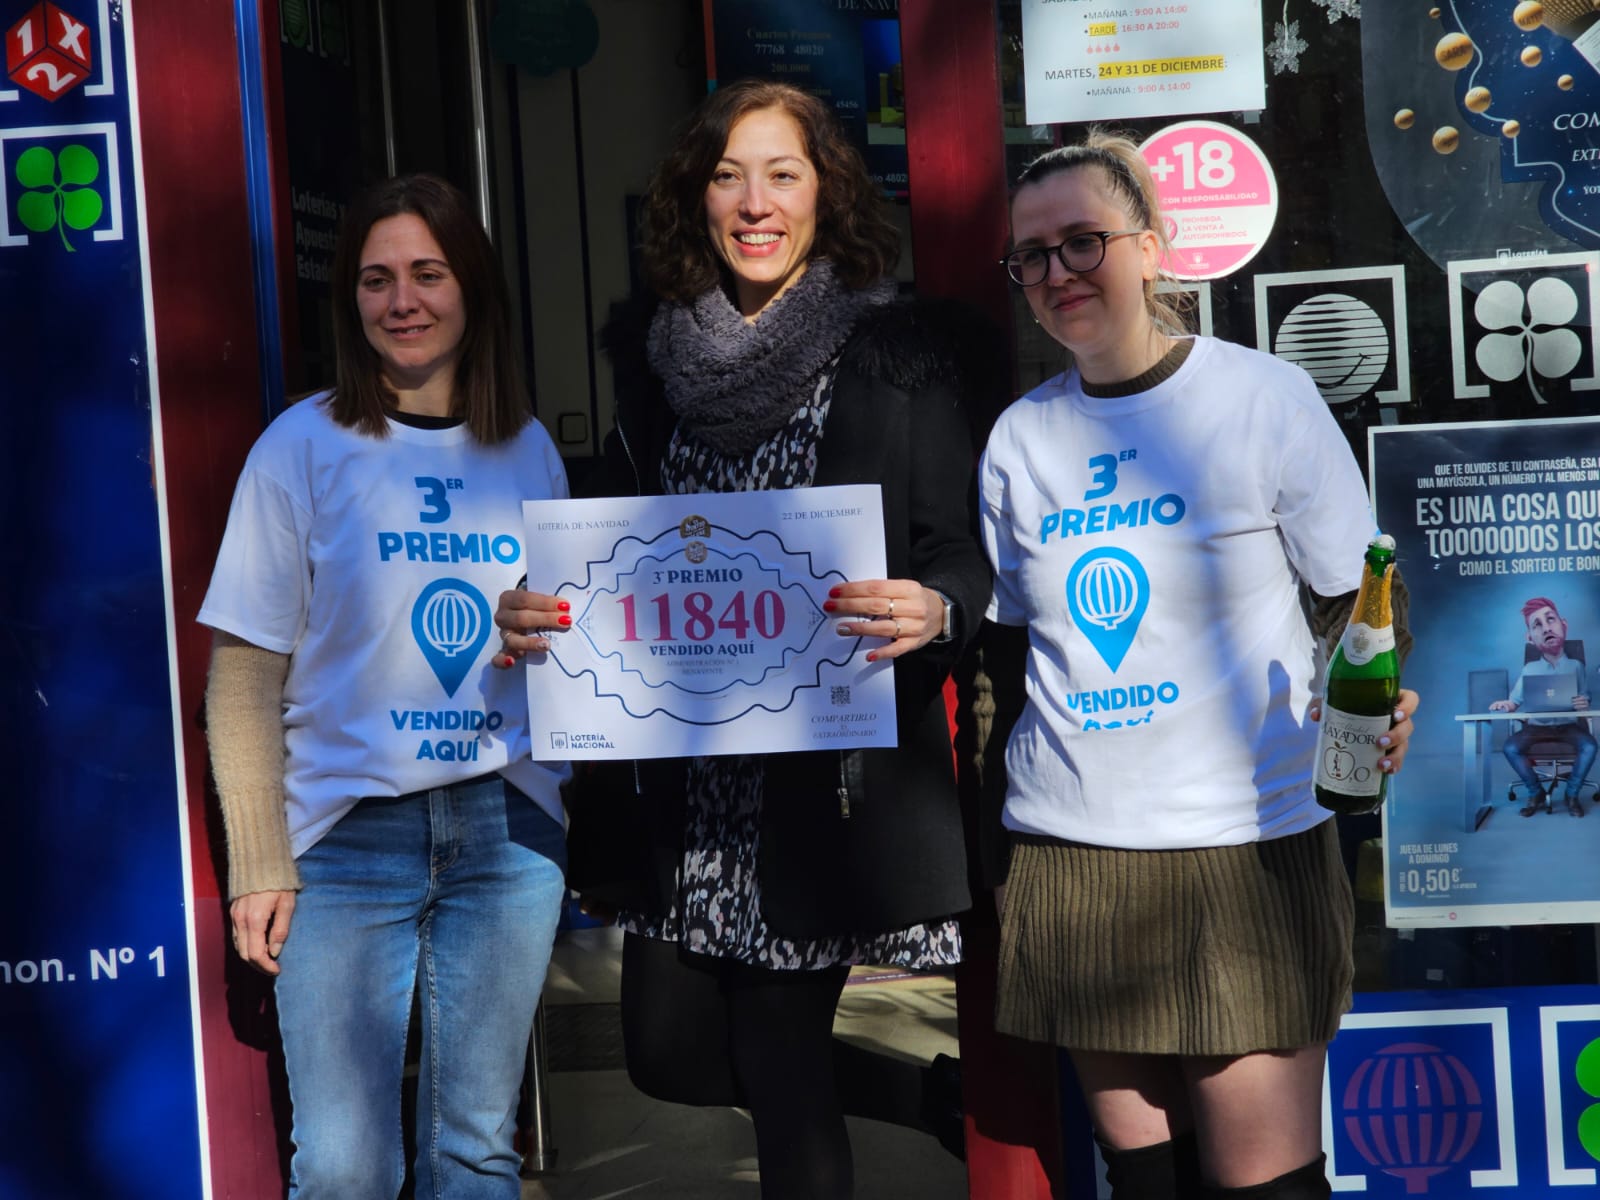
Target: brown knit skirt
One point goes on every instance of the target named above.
(1219, 951)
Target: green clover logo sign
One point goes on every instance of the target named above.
(54, 203)
(1587, 1071)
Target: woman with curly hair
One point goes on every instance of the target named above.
(775, 355)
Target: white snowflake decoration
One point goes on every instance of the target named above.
(1341, 8)
(1286, 47)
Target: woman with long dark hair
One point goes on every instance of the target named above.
(388, 830)
(774, 355)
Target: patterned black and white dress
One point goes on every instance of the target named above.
(717, 909)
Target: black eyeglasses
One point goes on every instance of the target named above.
(1080, 254)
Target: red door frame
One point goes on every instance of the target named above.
(958, 224)
(206, 353)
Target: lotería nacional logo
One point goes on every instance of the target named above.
(1420, 1102)
(1488, 1099)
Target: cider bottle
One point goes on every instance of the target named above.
(1359, 694)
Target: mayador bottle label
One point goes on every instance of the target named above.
(1348, 754)
(1362, 643)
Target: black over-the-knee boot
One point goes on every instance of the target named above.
(1309, 1182)
(1165, 1171)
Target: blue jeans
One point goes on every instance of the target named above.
(1574, 735)
(453, 892)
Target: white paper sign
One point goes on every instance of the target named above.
(698, 625)
(1093, 60)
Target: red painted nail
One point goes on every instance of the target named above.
(834, 592)
(563, 606)
(564, 620)
(508, 661)
(828, 606)
(872, 658)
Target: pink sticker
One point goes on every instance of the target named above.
(1218, 193)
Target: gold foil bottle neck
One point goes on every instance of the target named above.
(1372, 601)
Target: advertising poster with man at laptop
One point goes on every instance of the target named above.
(1496, 820)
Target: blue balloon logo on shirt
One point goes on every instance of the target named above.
(450, 621)
(1107, 593)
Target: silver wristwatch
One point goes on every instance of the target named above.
(947, 629)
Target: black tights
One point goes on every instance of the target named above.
(707, 1031)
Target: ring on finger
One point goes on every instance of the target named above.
(896, 626)
(891, 607)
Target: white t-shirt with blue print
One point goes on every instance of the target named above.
(1152, 544)
(375, 565)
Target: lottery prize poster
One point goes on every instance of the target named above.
(98, 1081)
(1489, 519)
(1121, 61)
(846, 53)
(698, 625)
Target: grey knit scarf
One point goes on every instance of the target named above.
(734, 383)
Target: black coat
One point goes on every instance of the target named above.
(860, 841)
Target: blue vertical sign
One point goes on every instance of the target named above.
(98, 1079)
